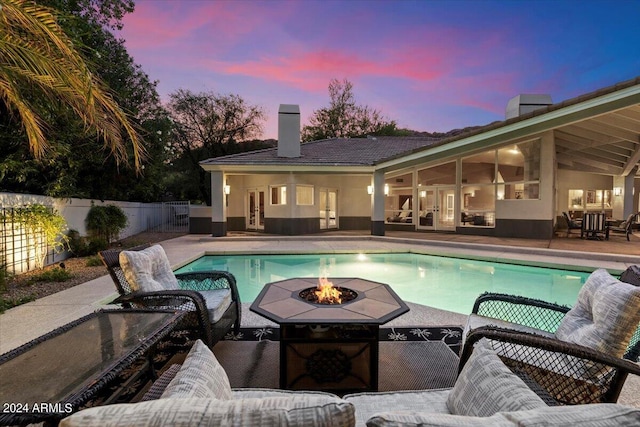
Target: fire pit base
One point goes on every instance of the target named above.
(341, 358)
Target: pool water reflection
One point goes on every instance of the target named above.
(446, 283)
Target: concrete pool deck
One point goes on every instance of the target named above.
(21, 324)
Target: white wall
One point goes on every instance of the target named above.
(141, 216)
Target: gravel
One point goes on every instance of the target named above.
(23, 286)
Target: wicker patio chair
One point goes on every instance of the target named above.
(561, 373)
(530, 323)
(188, 297)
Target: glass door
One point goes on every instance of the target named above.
(437, 208)
(255, 209)
(328, 208)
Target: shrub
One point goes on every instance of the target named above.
(54, 275)
(86, 246)
(94, 261)
(7, 303)
(106, 222)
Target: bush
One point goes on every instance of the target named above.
(106, 222)
(54, 275)
(86, 246)
(94, 261)
(7, 303)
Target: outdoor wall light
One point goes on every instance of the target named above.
(370, 189)
(227, 189)
(423, 193)
(386, 189)
(617, 191)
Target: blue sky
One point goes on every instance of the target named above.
(428, 65)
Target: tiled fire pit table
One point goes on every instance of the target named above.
(329, 347)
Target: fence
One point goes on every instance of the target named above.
(19, 252)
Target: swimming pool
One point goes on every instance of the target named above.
(446, 283)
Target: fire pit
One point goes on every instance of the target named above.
(326, 293)
(333, 344)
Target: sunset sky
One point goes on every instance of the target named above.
(429, 65)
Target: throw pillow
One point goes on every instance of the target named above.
(605, 315)
(297, 410)
(486, 386)
(201, 375)
(148, 270)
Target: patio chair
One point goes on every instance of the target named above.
(211, 296)
(594, 226)
(567, 345)
(625, 226)
(571, 224)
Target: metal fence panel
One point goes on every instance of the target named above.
(176, 217)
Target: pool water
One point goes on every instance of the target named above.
(446, 283)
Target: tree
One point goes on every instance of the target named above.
(344, 118)
(210, 125)
(38, 60)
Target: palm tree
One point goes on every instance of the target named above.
(36, 54)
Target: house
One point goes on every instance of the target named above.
(510, 179)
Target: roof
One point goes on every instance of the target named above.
(594, 134)
(331, 152)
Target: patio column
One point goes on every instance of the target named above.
(627, 193)
(377, 204)
(218, 205)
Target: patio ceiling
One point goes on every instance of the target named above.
(606, 144)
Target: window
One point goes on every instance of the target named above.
(304, 195)
(279, 195)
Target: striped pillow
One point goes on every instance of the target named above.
(297, 410)
(201, 375)
(605, 315)
(486, 386)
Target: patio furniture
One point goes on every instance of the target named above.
(144, 278)
(594, 226)
(329, 346)
(576, 344)
(572, 224)
(625, 226)
(487, 393)
(56, 374)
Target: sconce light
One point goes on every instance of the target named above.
(369, 189)
(423, 193)
(617, 191)
(227, 189)
(386, 189)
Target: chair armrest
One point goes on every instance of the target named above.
(570, 373)
(185, 300)
(521, 310)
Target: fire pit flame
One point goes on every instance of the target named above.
(327, 293)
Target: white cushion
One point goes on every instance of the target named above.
(217, 300)
(298, 410)
(369, 404)
(201, 375)
(487, 386)
(593, 415)
(148, 270)
(605, 315)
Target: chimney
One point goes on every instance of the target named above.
(289, 131)
(526, 103)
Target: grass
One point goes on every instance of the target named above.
(94, 261)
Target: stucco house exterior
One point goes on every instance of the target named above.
(511, 178)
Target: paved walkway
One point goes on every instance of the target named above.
(26, 322)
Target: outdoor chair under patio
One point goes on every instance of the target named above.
(144, 278)
(572, 224)
(625, 226)
(572, 353)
